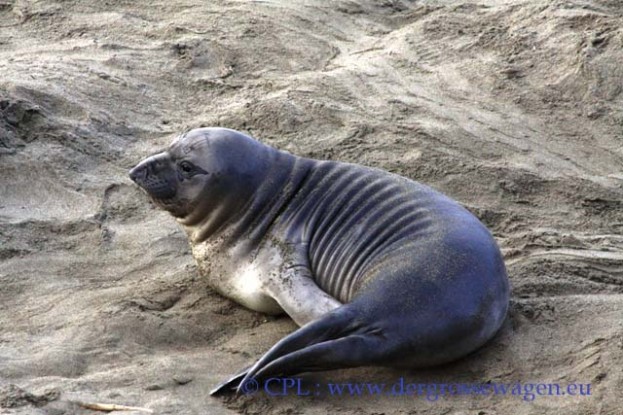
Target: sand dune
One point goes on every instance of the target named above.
(513, 108)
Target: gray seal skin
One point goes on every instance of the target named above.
(378, 270)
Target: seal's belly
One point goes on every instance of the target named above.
(246, 286)
(243, 279)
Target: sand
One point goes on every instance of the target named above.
(515, 109)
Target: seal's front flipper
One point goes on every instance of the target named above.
(230, 385)
(299, 296)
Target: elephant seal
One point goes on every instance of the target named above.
(378, 270)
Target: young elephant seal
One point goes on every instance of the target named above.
(376, 268)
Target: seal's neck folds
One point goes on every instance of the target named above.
(249, 211)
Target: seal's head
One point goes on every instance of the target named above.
(203, 171)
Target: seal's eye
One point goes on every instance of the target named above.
(186, 170)
(186, 167)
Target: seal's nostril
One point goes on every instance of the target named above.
(137, 173)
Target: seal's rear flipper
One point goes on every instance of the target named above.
(350, 351)
(337, 324)
(346, 352)
(230, 385)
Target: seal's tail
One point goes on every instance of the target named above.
(335, 341)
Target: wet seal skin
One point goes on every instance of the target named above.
(376, 269)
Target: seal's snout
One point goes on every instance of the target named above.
(154, 177)
(143, 171)
(138, 173)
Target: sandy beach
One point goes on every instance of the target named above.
(515, 109)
